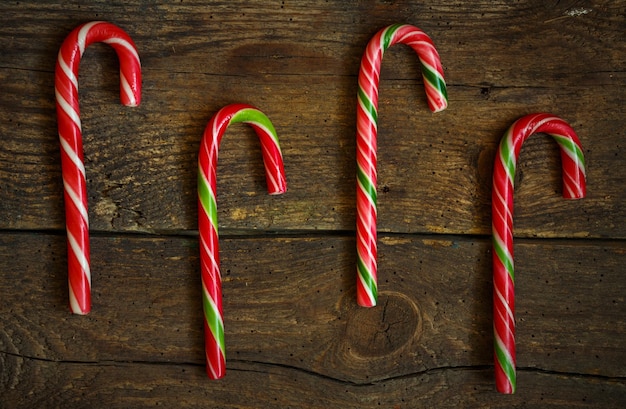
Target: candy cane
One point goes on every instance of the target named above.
(574, 186)
(207, 216)
(367, 117)
(70, 136)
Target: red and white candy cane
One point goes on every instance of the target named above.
(207, 216)
(367, 129)
(574, 187)
(70, 135)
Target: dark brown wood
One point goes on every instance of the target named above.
(255, 385)
(296, 312)
(294, 335)
(501, 63)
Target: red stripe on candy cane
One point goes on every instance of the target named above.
(207, 216)
(574, 186)
(70, 137)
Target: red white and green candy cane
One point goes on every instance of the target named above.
(574, 187)
(70, 136)
(367, 118)
(207, 216)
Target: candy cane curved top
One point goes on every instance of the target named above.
(574, 186)
(207, 216)
(367, 120)
(70, 136)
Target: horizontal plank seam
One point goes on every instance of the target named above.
(312, 373)
(231, 234)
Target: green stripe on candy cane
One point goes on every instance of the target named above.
(207, 199)
(573, 175)
(509, 160)
(430, 74)
(434, 79)
(214, 320)
(369, 283)
(505, 257)
(367, 185)
(505, 362)
(368, 106)
(569, 145)
(207, 216)
(388, 34)
(367, 117)
(258, 118)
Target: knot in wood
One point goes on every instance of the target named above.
(388, 327)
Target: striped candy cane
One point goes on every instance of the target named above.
(207, 216)
(367, 117)
(70, 136)
(574, 186)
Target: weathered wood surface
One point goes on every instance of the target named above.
(294, 335)
(501, 62)
(296, 314)
(254, 385)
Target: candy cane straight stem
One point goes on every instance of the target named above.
(207, 216)
(70, 136)
(367, 119)
(574, 187)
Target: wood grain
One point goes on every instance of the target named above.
(254, 385)
(435, 169)
(294, 335)
(298, 310)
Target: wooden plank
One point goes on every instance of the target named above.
(434, 169)
(429, 181)
(254, 385)
(294, 336)
(298, 309)
(255, 37)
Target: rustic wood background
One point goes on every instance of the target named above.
(295, 337)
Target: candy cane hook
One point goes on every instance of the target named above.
(207, 216)
(574, 187)
(367, 117)
(70, 136)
